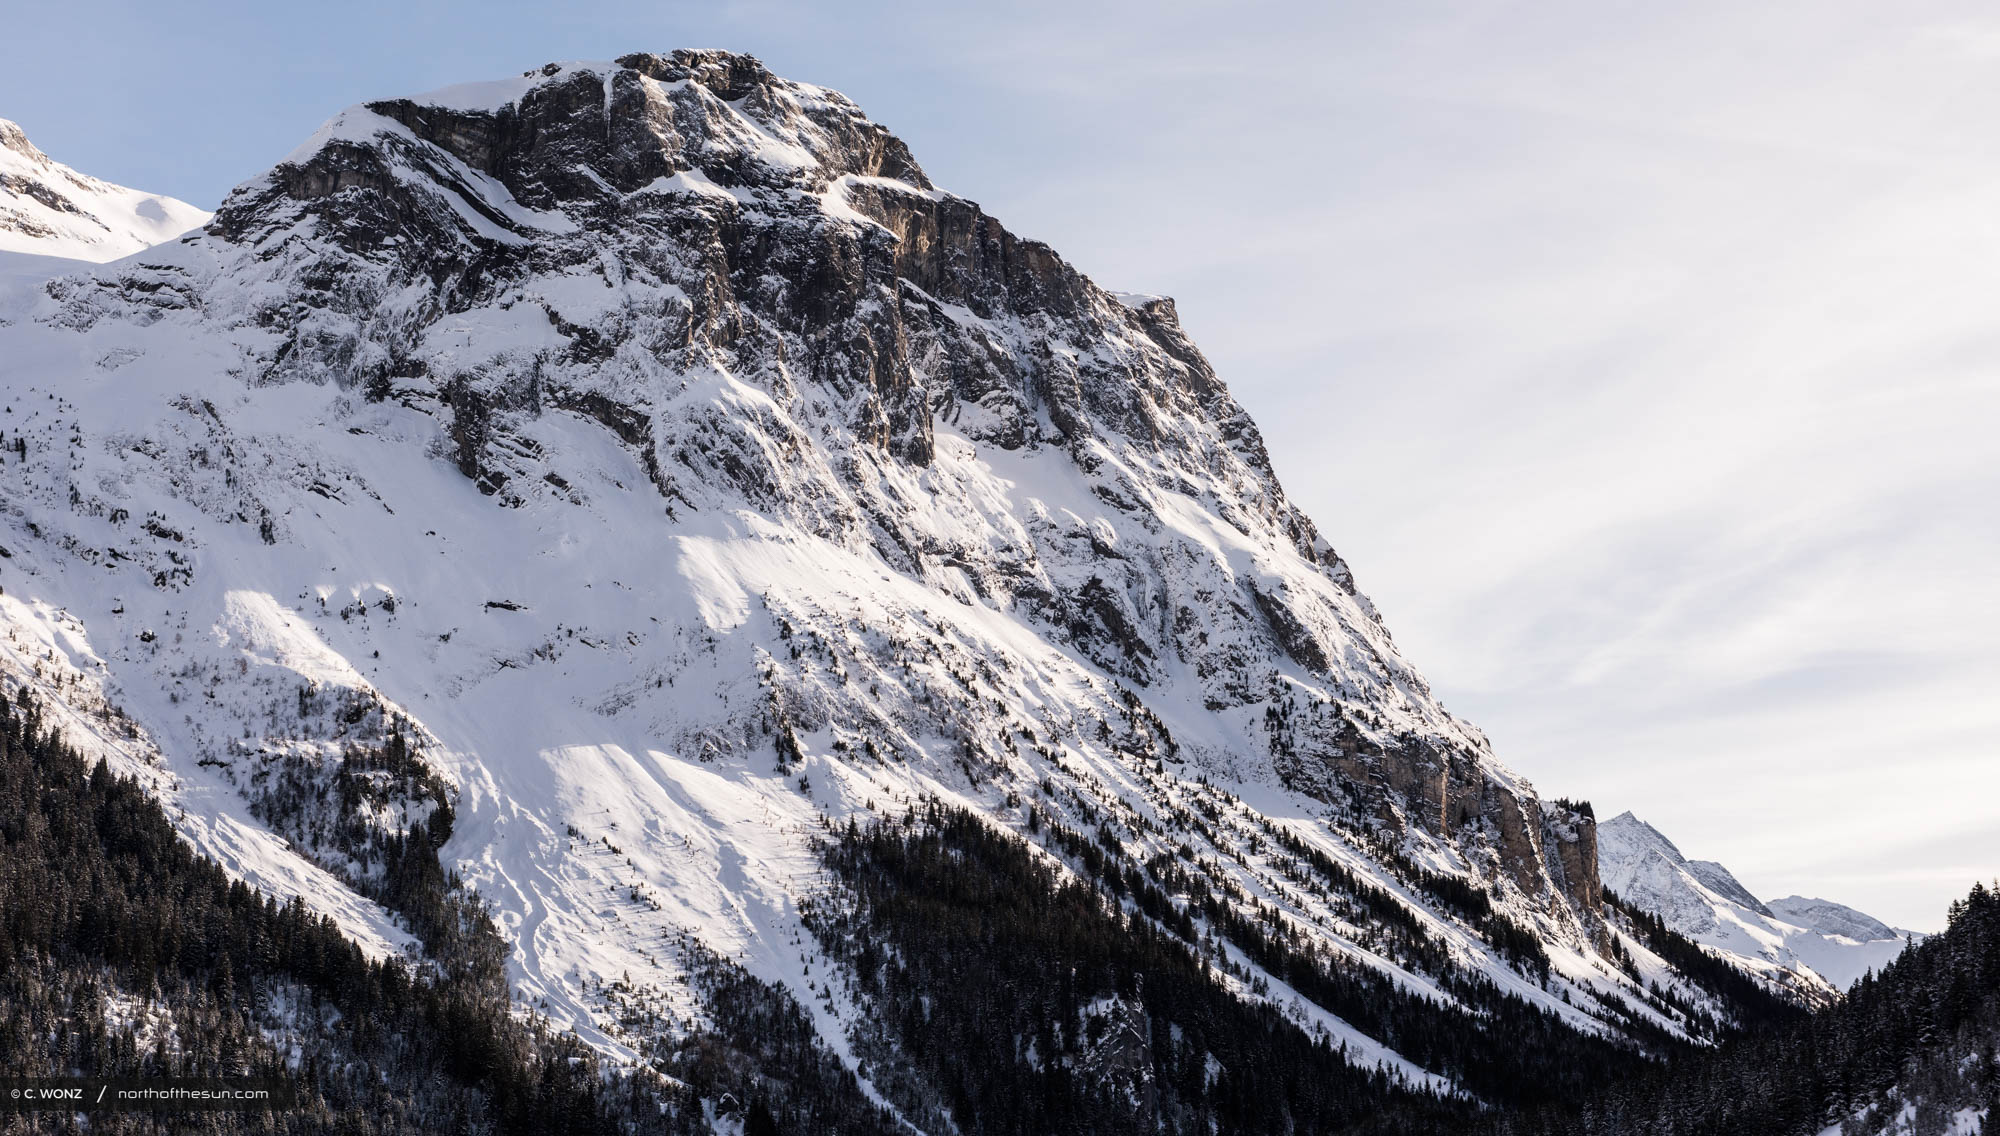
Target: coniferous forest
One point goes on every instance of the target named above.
(1926, 1028)
(125, 954)
(1007, 995)
(104, 909)
(980, 958)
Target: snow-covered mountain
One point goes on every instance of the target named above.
(1830, 918)
(653, 449)
(1810, 947)
(50, 210)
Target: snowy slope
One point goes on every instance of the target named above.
(1845, 944)
(1811, 948)
(50, 210)
(1946, 1092)
(1830, 918)
(689, 473)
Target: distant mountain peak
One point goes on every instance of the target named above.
(50, 210)
(12, 137)
(1807, 948)
(1638, 837)
(1725, 884)
(1830, 918)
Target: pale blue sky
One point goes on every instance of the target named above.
(1644, 360)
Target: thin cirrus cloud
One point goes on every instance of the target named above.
(1642, 359)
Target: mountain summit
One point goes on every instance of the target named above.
(1810, 948)
(49, 210)
(638, 481)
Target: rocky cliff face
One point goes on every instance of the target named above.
(687, 472)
